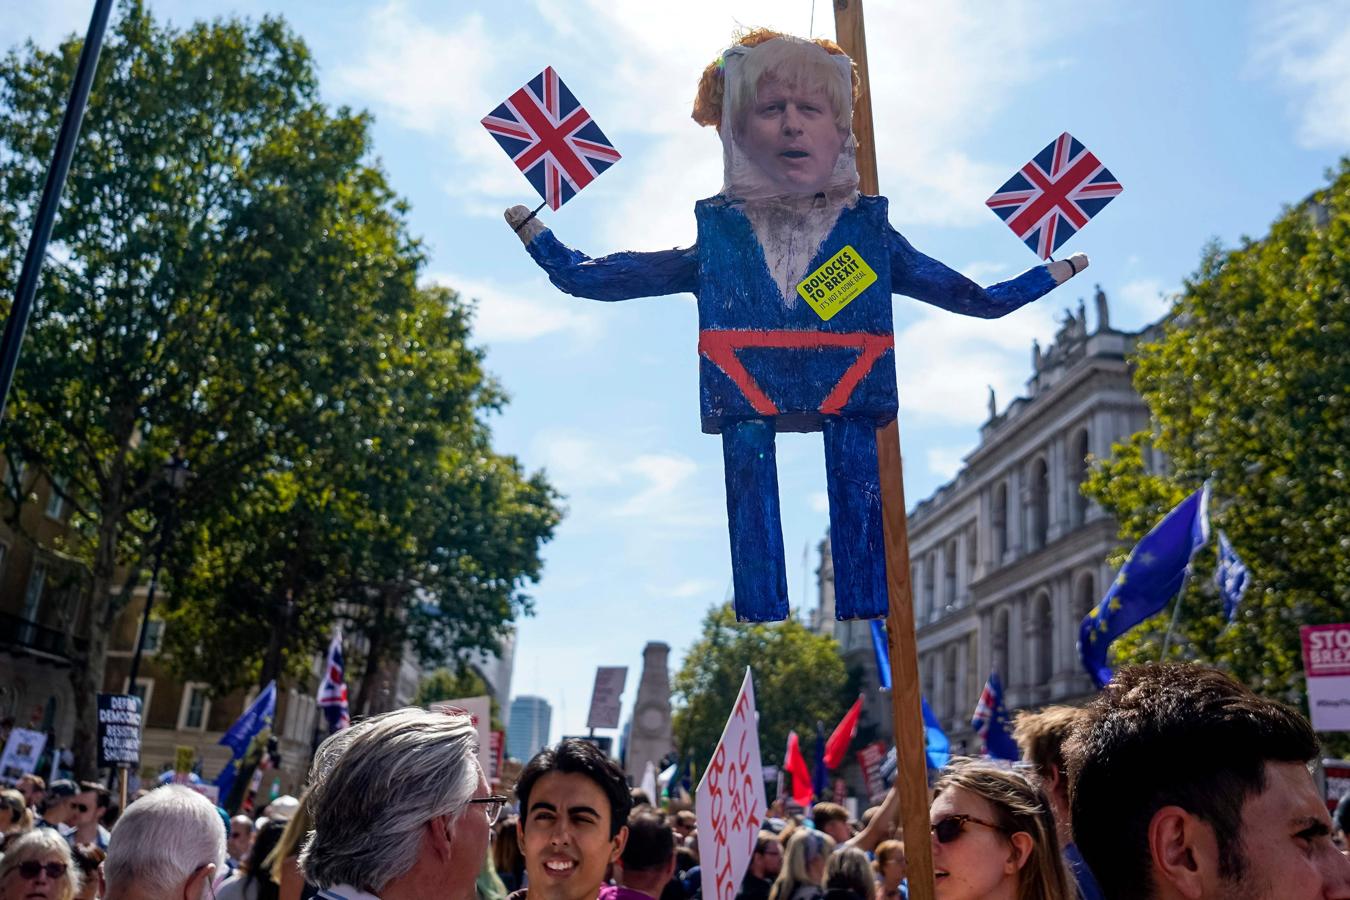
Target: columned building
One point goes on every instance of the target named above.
(1009, 556)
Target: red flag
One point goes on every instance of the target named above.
(801, 775)
(836, 748)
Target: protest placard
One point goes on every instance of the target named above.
(869, 760)
(729, 801)
(21, 754)
(609, 682)
(480, 710)
(1326, 662)
(119, 730)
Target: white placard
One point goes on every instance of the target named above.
(480, 710)
(609, 682)
(21, 754)
(729, 802)
(1326, 663)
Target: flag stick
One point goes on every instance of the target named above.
(911, 781)
(17, 323)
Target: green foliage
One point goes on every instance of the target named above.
(443, 684)
(1249, 386)
(231, 273)
(799, 680)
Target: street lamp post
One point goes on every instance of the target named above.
(175, 475)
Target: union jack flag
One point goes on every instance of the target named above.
(333, 688)
(990, 721)
(551, 138)
(1052, 197)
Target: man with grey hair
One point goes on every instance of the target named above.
(401, 809)
(166, 846)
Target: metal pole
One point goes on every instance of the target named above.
(149, 602)
(17, 323)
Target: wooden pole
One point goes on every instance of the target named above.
(122, 788)
(911, 779)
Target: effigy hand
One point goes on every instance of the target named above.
(1060, 270)
(531, 228)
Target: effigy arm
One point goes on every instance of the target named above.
(924, 278)
(618, 276)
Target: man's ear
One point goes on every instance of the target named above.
(1022, 845)
(1055, 780)
(1183, 851)
(195, 887)
(617, 844)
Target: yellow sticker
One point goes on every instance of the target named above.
(835, 284)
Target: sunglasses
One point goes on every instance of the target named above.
(949, 828)
(32, 868)
(81, 807)
(492, 806)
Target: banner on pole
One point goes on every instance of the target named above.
(1326, 662)
(21, 754)
(729, 801)
(119, 730)
(870, 759)
(609, 682)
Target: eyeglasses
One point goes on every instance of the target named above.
(949, 828)
(492, 806)
(32, 868)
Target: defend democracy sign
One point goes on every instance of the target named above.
(1326, 662)
(730, 800)
(119, 730)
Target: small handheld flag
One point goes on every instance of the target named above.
(551, 138)
(1231, 576)
(990, 722)
(1052, 197)
(332, 697)
(1155, 571)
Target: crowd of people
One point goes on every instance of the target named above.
(1174, 782)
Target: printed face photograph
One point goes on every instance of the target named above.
(791, 134)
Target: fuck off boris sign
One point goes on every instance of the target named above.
(730, 800)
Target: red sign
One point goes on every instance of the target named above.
(496, 743)
(870, 759)
(1326, 649)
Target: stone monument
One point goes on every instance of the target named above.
(650, 737)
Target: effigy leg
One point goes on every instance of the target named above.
(857, 543)
(759, 575)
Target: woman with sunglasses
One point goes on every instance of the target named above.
(38, 866)
(994, 837)
(15, 816)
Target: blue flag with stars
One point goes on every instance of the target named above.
(1231, 577)
(1154, 572)
(937, 746)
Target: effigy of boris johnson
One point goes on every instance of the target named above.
(793, 270)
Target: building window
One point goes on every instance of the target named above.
(930, 586)
(1000, 522)
(154, 637)
(949, 575)
(145, 689)
(949, 685)
(1079, 464)
(1044, 624)
(195, 709)
(1087, 597)
(32, 597)
(56, 504)
(1040, 503)
(1001, 663)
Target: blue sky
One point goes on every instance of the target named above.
(1212, 114)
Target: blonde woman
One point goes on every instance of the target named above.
(891, 868)
(15, 816)
(804, 859)
(994, 837)
(284, 860)
(38, 866)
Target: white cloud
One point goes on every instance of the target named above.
(1139, 302)
(946, 362)
(945, 462)
(524, 311)
(693, 587)
(819, 501)
(1305, 45)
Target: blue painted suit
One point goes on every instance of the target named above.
(766, 366)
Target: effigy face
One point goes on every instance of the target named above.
(787, 117)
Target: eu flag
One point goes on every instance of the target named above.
(258, 716)
(937, 746)
(1154, 572)
(1231, 576)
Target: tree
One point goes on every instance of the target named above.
(1247, 387)
(230, 274)
(799, 681)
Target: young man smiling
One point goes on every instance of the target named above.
(574, 806)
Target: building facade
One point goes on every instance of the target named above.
(1009, 556)
(528, 729)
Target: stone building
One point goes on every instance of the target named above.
(650, 737)
(1008, 557)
